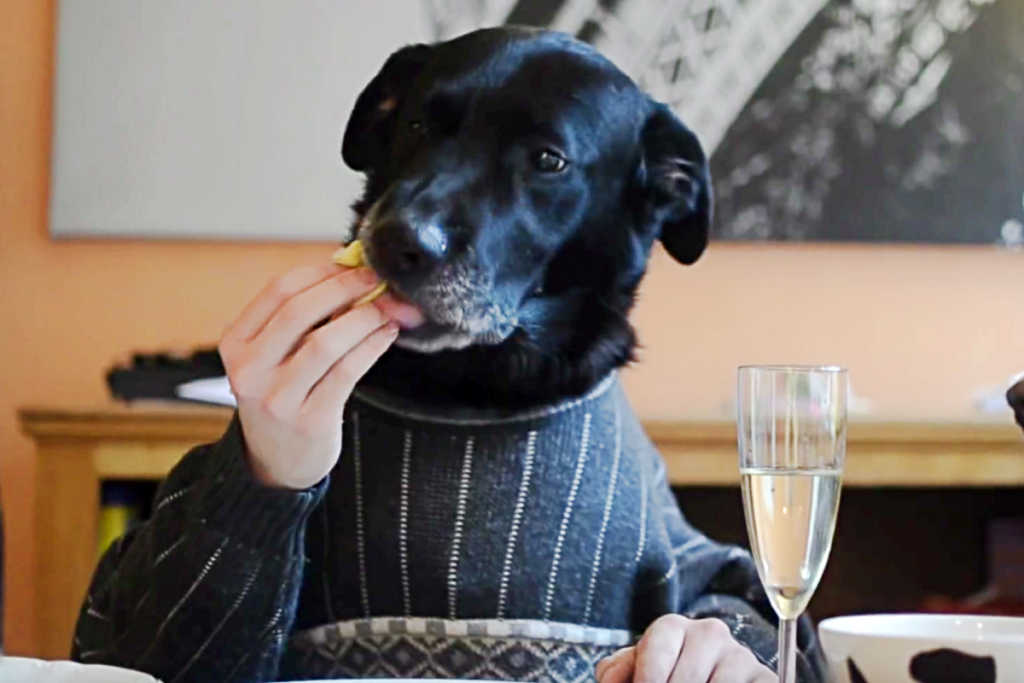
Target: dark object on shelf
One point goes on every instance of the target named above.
(1016, 398)
(156, 376)
(121, 506)
(1004, 592)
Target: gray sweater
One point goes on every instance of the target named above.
(472, 544)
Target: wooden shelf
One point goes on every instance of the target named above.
(77, 449)
(145, 443)
(879, 454)
(148, 422)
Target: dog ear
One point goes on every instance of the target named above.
(678, 185)
(370, 128)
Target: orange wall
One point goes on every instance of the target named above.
(919, 328)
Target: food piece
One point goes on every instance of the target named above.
(377, 291)
(352, 256)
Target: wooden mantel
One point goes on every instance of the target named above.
(77, 449)
(145, 442)
(879, 454)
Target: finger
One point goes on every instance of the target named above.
(298, 315)
(618, 656)
(321, 349)
(258, 312)
(659, 649)
(327, 400)
(765, 675)
(705, 642)
(738, 666)
(617, 668)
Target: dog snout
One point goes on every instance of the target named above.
(407, 250)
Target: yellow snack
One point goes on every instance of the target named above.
(352, 256)
(377, 291)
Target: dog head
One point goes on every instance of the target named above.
(516, 182)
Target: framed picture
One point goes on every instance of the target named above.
(876, 121)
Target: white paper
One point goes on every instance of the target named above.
(211, 390)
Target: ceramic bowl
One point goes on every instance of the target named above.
(24, 670)
(923, 648)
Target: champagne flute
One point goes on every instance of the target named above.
(791, 428)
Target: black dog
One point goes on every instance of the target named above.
(497, 510)
(517, 181)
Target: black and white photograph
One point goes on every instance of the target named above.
(833, 121)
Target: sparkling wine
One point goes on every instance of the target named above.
(791, 516)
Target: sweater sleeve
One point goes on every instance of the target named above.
(720, 581)
(206, 589)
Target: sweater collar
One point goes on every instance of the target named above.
(474, 417)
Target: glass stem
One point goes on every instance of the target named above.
(787, 651)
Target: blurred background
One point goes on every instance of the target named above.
(159, 161)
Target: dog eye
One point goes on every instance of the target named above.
(549, 161)
(418, 127)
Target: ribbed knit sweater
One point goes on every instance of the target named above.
(467, 544)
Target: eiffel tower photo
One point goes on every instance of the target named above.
(826, 120)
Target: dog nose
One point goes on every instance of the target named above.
(407, 249)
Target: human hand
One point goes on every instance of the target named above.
(291, 378)
(679, 650)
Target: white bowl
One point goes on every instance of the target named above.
(923, 648)
(25, 670)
